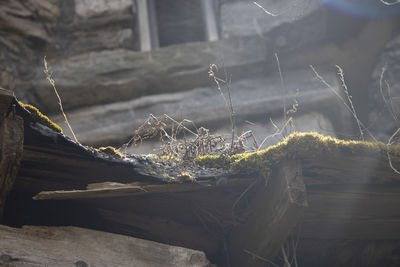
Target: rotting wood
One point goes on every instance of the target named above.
(11, 146)
(275, 211)
(72, 246)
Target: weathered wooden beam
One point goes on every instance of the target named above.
(11, 145)
(275, 211)
(352, 212)
(72, 246)
(210, 20)
(109, 190)
(6, 97)
(147, 25)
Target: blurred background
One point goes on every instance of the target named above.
(117, 61)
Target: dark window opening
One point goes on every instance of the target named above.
(179, 21)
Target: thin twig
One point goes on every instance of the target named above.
(283, 88)
(53, 84)
(244, 193)
(346, 91)
(285, 258)
(322, 80)
(277, 132)
(229, 104)
(388, 101)
(260, 258)
(390, 142)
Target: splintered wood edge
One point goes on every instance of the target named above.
(109, 192)
(112, 189)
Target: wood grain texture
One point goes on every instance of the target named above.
(72, 246)
(11, 147)
(275, 211)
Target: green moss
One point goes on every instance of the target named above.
(41, 118)
(211, 161)
(112, 151)
(309, 145)
(185, 177)
(171, 158)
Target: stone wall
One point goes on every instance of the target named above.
(93, 51)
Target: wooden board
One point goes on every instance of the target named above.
(275, 211)
(72, 246)
(11, 147)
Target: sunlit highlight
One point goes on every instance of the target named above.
(365, 8)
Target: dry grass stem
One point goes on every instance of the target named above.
(323, 81)
(349, 98)
(199, 143)
(53, 84)
(229, 104)
(283, 88)
(276, 133)
(387, 100)
(389, 143)
(249, 187)
(285, 257)
(260, 258)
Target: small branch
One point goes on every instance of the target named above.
(260, 258)
(322, 80)
(52, 82)
(229, 104)
(277, 132)
(283, 88)
(388, 101)
(285, 257)
(346, 91)
(390, 142)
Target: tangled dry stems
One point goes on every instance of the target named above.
(183, 140)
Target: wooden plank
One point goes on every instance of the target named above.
(147, 25)
(112, 189)
(11, 147)
(362, 213)
(72, 246)
(115, 190)
(348, 169)
(210, 20)
(275, 211)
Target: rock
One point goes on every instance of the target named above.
(119, 75)
(385, 117)
(255, 100)
(90, 8)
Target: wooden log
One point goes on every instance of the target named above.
(11, 146)
(72, 246)
(275, 211)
